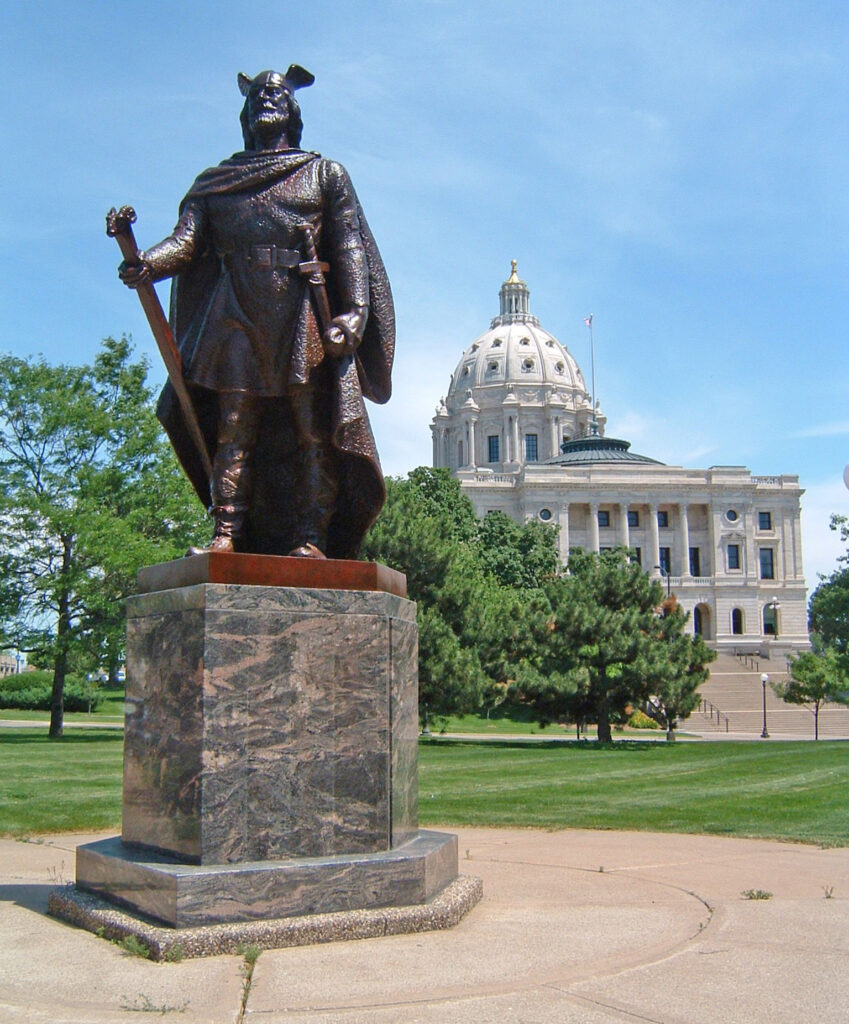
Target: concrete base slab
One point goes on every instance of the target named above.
(575, 927)
(94, 914)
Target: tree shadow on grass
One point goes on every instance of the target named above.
(586, 746)
(75, 737)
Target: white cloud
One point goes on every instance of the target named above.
(834, 429)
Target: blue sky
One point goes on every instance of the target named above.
(679, 169)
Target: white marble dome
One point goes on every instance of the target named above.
(516, 349)
(516, 394)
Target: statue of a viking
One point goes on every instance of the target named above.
(283, 315)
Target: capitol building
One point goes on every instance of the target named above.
(519, 431)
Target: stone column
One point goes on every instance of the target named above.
(684, 538)
(716, 562)
(594, 545)
(654, 540)
(553, 432)
(624, 532)
(752, 556)
(473, 453)
(796, 528)
(563, 539)
(517, 454)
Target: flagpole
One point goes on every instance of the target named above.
(588, 320)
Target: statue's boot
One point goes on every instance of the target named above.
(230, 491)
(317, 495)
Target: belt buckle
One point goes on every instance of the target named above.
(263, 255)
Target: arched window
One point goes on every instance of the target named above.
(737, 621)
(770, 620)
(697, 621)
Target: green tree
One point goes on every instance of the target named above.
(816, 677)
(678, 666)
(89, 492)
(829, 605)
(475, 625)
(609, 647)
(517, 554)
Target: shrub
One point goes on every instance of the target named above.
(639, 720)
(30, 691)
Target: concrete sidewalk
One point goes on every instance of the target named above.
(574, 926)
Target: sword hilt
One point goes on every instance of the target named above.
(315, 270)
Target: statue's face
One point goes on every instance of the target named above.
(268, 103)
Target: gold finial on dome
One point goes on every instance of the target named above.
(514, 277)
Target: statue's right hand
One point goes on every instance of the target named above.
(134, 275)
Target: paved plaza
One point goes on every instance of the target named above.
(575, 926)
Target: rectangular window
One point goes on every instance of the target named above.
(637, 556)
(767, 564)
(666, 560)
(494, 447)
(531, 449)
(633, 517)
(733, 556)
(603, 517)
(764, 520)
(695, 562)
(663, 518)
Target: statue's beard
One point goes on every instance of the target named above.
(268, 122)
(268, 118)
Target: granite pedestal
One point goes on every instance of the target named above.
(270, 748)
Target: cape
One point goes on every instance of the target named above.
(366, 374)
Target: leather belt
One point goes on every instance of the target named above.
(270, 256)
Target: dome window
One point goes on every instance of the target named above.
(550, 343)
(497, 343)
(493, 367)
(465, 371)
(545, 515)
(527, 366)
(525, 341)
(559, 367)
(475, 347)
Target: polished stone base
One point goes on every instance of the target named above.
(269, 722)
(85, 910)
(187, 895)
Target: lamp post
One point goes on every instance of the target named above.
(764, 681)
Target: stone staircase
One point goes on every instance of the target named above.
(732, 702)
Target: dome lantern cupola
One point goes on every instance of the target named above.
(515, 301)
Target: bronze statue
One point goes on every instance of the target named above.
(283, 316)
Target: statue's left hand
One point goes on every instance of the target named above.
(343, 336)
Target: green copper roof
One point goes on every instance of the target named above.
(585, 450)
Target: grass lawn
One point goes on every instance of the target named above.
(69, 784)
(770, 790)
